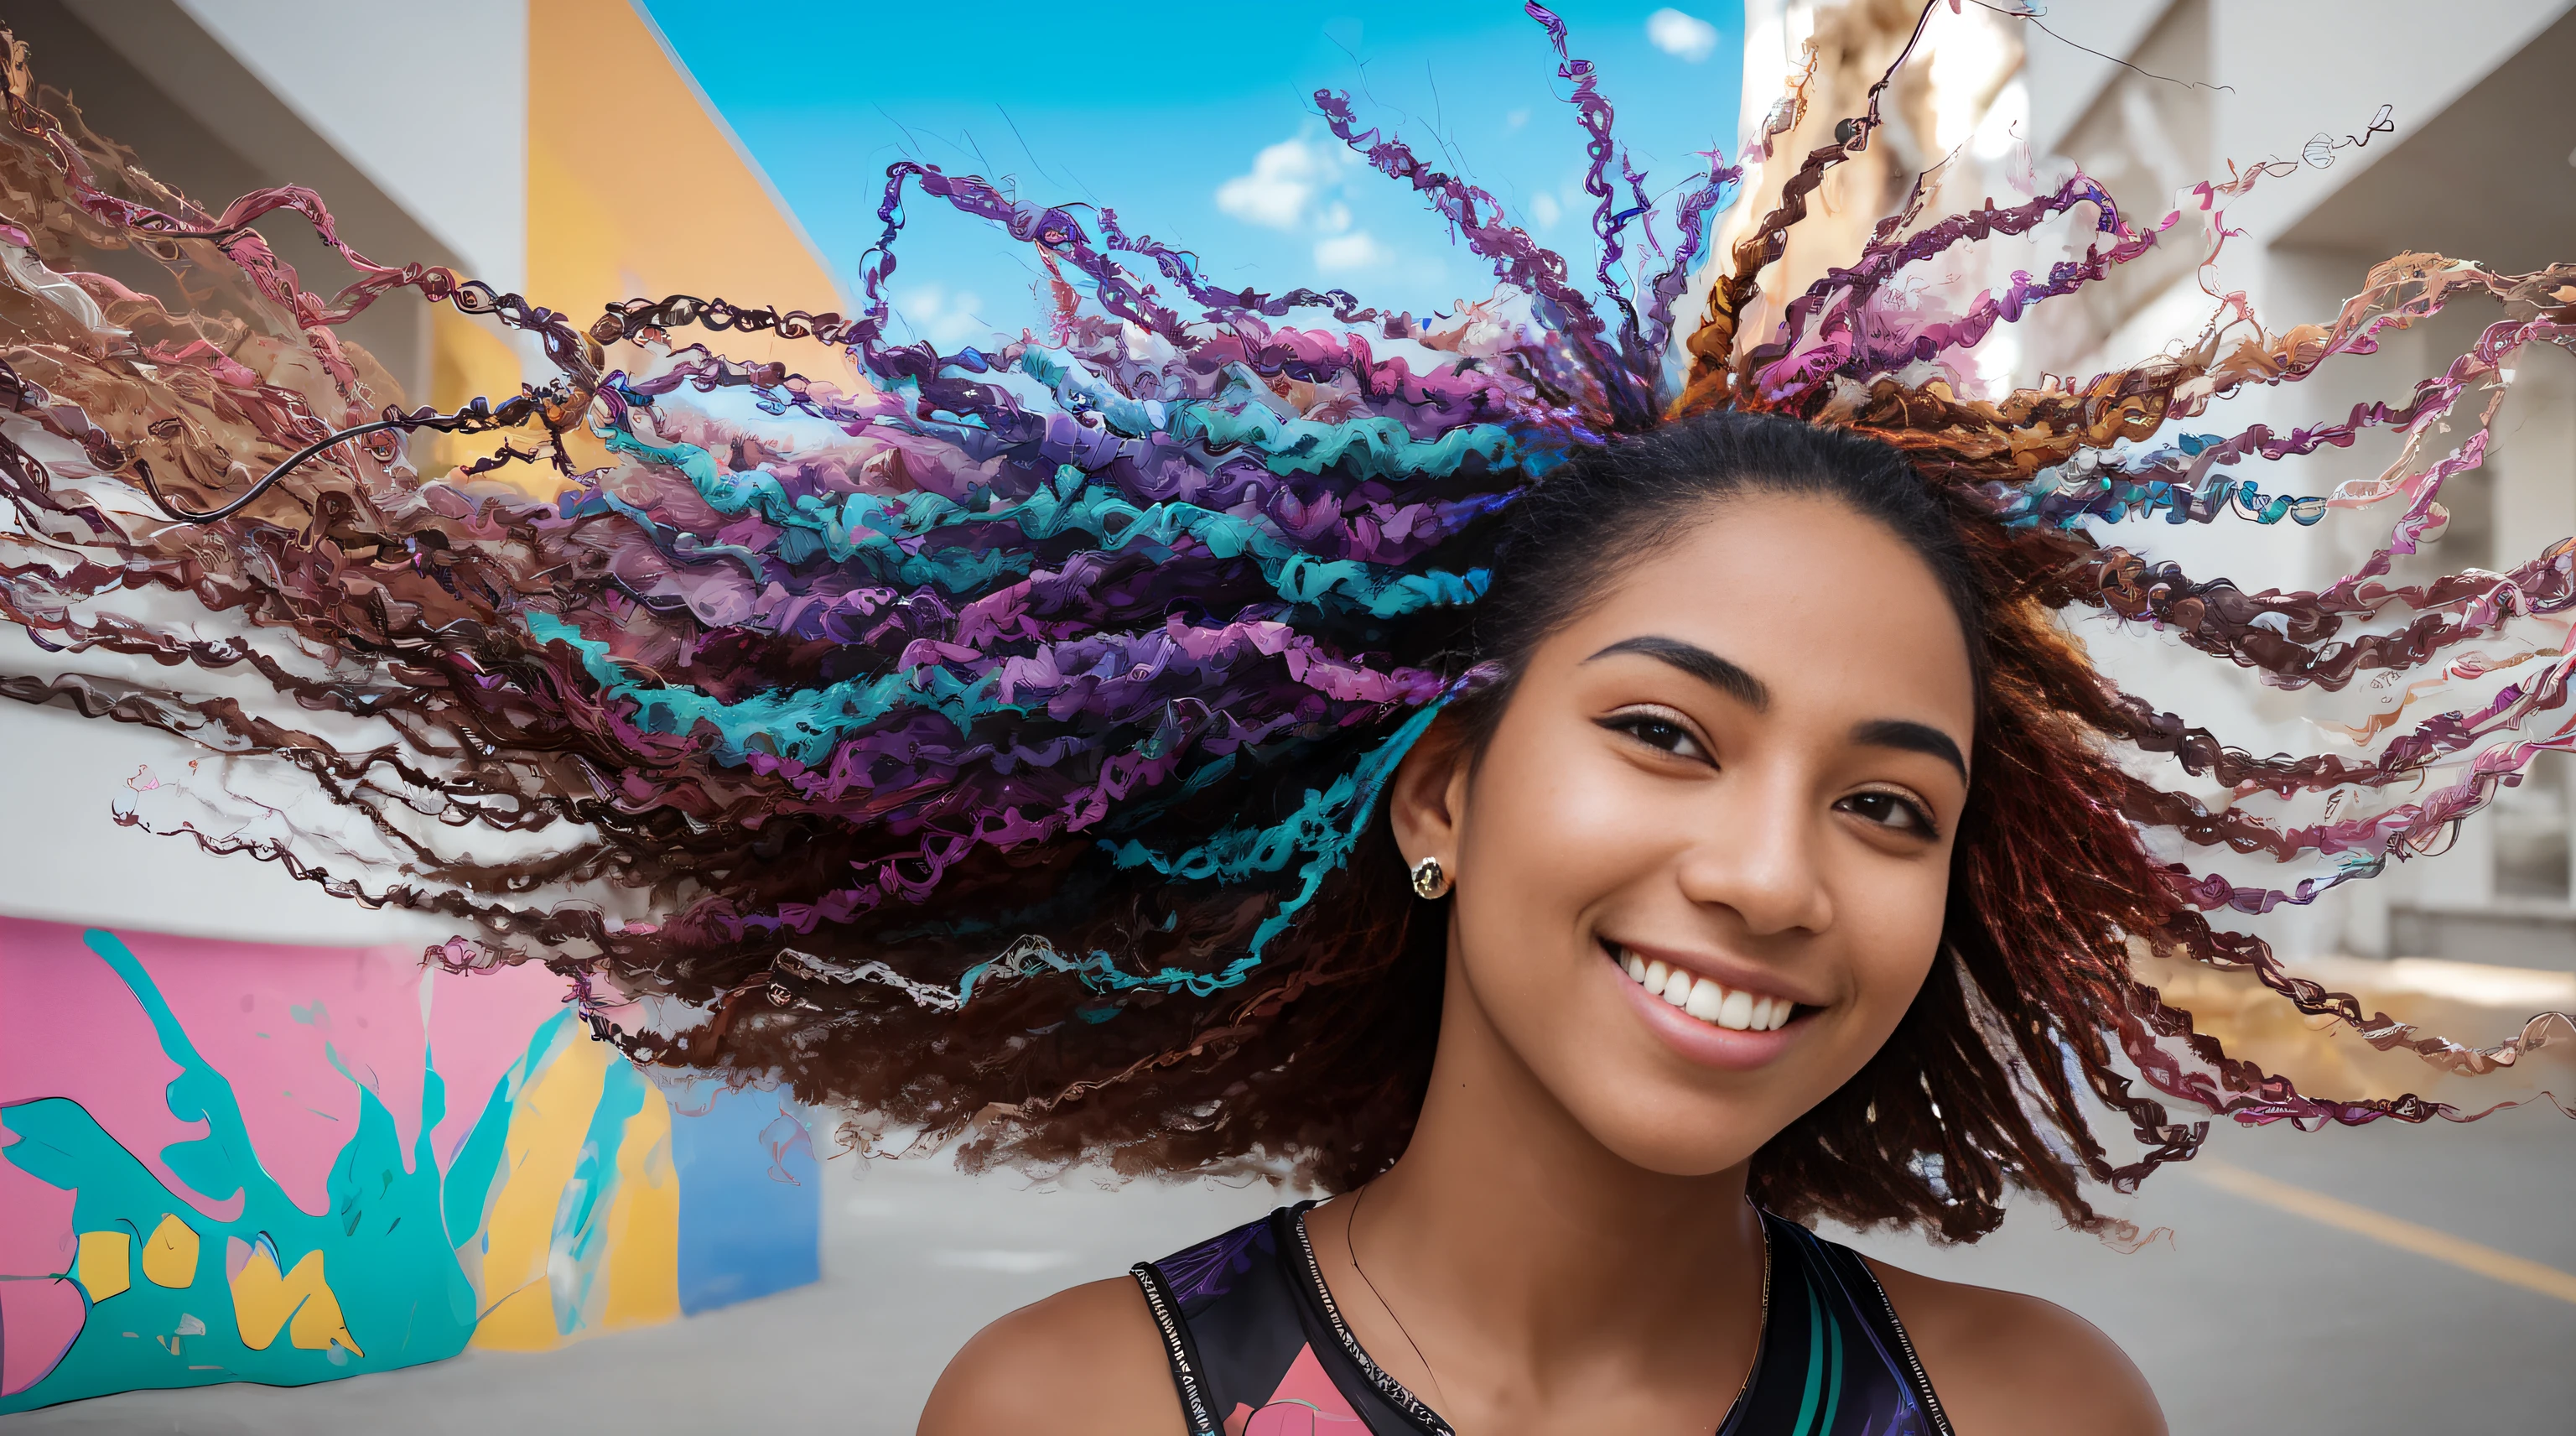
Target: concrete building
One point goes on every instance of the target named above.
(2476, 159)
(2477, 167)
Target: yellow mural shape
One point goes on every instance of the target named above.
(170, 1254)
(525, 1250)
(546, 1132)
(301, 1301)
(104, 1264)
(644, 1222)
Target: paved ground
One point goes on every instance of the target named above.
(2248, 1318)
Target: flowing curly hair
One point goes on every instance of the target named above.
(995, 752)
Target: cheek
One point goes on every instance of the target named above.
(1560, 834)
(1552, 830)
(1890, 936)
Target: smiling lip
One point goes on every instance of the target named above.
(1732, 1025)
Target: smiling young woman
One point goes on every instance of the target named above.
(1691, 855)
(1594, 793)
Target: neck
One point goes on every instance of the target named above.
(1506, 1216)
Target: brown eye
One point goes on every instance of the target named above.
(1893, 811)
(1656, 731)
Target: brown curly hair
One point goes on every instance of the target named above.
(997, 766)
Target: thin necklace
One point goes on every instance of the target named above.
(1351, 1239)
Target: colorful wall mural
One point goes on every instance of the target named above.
(226, 1161)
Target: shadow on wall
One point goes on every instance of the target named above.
(240, 1162)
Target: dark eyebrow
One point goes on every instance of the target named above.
(1912, 738)
(1699, 663)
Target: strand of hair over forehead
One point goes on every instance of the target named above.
(801, 662)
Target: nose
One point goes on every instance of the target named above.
(1759, 854)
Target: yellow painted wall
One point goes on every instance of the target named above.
(467, 358)
(634, 189)
(643, 1276)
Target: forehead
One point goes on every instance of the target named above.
(1826, 606)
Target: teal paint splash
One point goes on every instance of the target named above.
(390, 1239)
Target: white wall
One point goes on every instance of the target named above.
(63, 858)
(2282, 71)
(2063, 79)
(389, 89)
(2301, 67)
(431, 102)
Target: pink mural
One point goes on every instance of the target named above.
(234, 1161)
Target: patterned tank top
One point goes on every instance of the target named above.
(1258, 1347)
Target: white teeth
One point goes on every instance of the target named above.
(1704, 999)
(1737, 1013)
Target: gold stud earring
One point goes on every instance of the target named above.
(1428, 879)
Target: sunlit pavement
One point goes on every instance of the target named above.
(2247, 1317)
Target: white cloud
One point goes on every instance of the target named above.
(1511, 122)
(1687, 36)
(1297, 185)
(1356, 250)
(1544, 209)
(946, 320)
(1286, 182)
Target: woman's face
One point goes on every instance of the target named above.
(1732, 785)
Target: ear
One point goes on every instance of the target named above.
(1427, 801)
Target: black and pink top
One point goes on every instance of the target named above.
(1258, 1347)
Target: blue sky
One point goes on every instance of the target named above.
(1194, 121)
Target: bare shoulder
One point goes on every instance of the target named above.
(2005, 1363)
(1087, 1359)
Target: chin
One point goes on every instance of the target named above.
(1704, 1152)
(1677, 1133)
